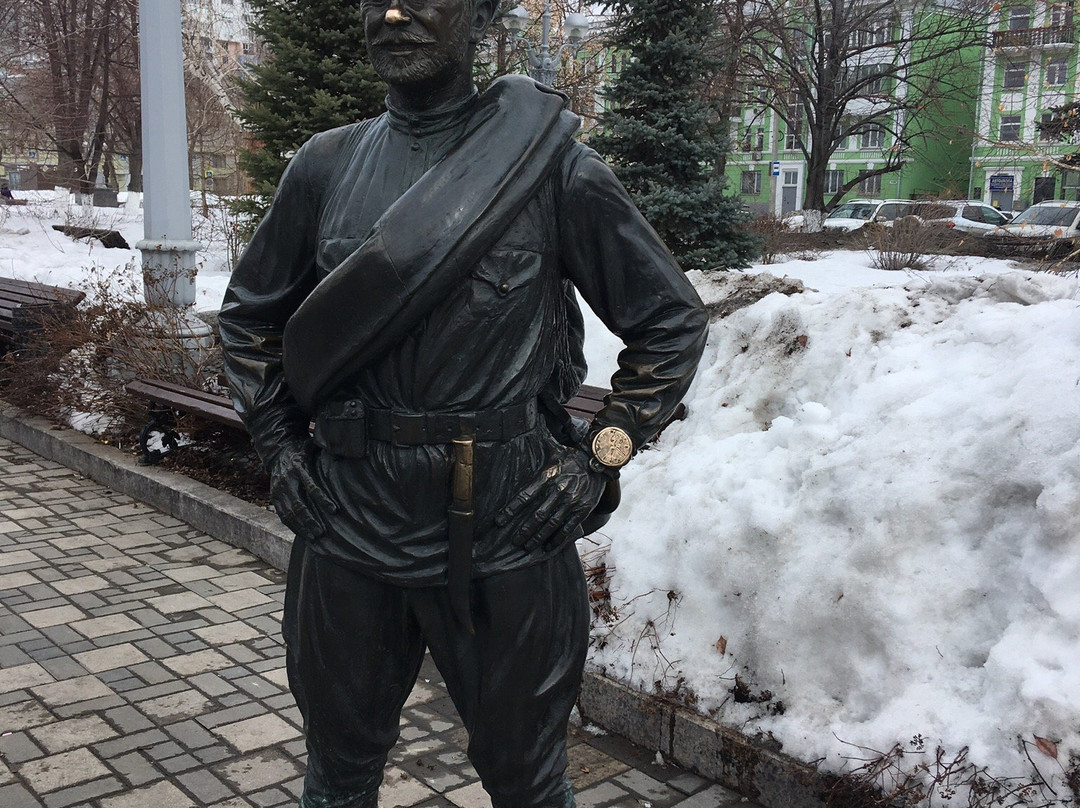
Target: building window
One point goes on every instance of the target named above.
(834, 181)
(1059, 16)
(1046, 121)
(875, 33)
(872, 137)
(875, 81)
(866, 79)
(1010, 128)
(1070, 185)
(751, 183)
(869, 185)
(1055, 71)
(793, 139)
(1014, 75)
(1019, 18)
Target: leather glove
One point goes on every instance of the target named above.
(548, 510)
(296, 495)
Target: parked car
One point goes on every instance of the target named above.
(968, 215)
(1051, 220)
(856, 213)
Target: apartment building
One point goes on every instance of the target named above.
(767, 167)
(1029, 68)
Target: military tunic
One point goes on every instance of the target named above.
(499, 340)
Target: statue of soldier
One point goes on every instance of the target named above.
(411, 291)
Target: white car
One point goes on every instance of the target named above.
(855, 214)
(1052, 220)
(968, 216)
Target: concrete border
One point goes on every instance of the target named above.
(749, 766)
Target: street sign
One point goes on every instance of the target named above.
(776, 169)
(1001, 182)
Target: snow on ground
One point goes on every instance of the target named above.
(30, 249)
(873, 510)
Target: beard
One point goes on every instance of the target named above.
(427, 63)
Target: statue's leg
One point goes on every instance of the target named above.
(516, 681)
(353, 654)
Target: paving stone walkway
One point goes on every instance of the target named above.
(141, 666)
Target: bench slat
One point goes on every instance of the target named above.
(158, 387)
(18, 289)
(208, 405)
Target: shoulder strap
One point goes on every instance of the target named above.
(425, 243)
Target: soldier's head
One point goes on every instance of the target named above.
(422, 46)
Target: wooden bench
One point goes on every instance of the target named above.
(26, 306)
(167, 398)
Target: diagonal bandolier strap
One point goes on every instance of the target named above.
(428, 240)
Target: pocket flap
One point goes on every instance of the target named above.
(507, 270)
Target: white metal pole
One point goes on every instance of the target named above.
(167, 247)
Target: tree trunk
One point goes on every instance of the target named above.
(135, 178)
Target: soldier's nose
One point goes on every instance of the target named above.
(395, 15)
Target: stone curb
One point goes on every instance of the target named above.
(684, 738)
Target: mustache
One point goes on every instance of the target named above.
(399, 39)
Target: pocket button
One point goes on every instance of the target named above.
(504, 288)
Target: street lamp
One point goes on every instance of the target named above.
(167, 246)
(543, 65)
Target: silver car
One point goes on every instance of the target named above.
(855, 214)
(965, 215)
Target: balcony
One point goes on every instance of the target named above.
(1060, 35)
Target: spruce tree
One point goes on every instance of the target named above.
(662, 135)
(315, 77)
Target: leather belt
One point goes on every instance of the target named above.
(343, 428)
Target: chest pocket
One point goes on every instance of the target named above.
(332, 251)
(503, 277)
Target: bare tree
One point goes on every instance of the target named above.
(61, 88)
(879, 71)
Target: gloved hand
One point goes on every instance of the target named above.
(295, 493)
(549, 509)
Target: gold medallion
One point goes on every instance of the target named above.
(612, 447)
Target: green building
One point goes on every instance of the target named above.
(768, 169)
(1029, 67)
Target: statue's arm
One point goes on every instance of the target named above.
(274, 274)
(631, 281)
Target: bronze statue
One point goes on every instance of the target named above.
(411, 291)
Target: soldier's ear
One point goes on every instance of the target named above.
(483, 13)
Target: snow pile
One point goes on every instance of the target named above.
(874, 511)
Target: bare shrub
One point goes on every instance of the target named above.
(774, 236)
(74, 369)
(905, 245)
(216, 220)
(780, 242)
(911, 775)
